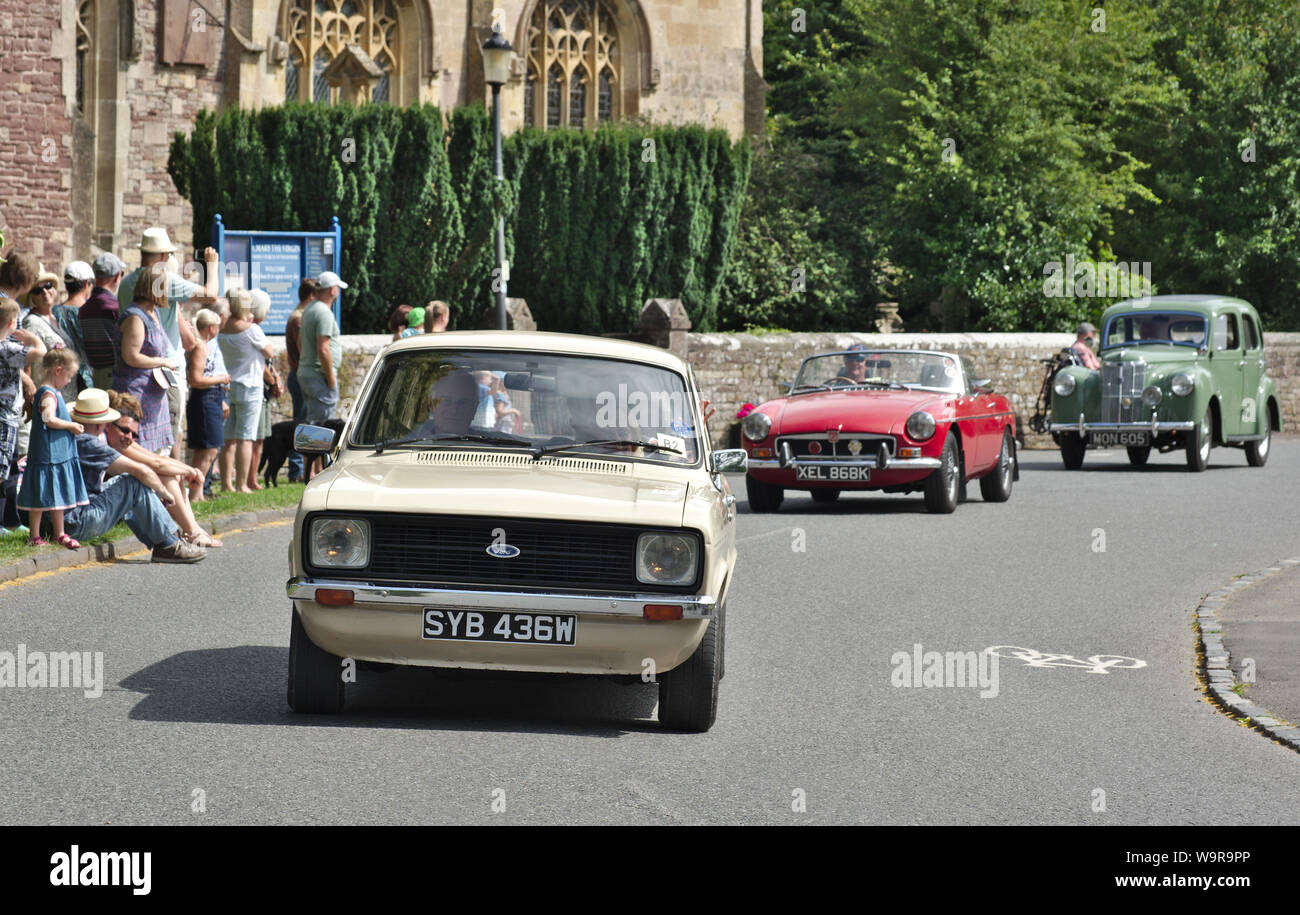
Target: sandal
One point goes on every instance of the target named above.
(37, 541)
(66, 541)
(202, 538)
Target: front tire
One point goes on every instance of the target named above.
(1073, 447)
(688, 694)
(943, 487)
(1137, 456)
(315, 675)
(763, 497)
(825, 495)
(1257, 452)
(1199, 441)
(995, 486)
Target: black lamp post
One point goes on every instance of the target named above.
(496, 69)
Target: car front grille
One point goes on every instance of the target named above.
(1121, 391)
(452, 550)
(818, 446)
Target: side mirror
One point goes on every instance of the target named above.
(314, 439)
(732, 460)
(786, 386)
(983, 385)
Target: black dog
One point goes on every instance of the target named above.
(277, 445)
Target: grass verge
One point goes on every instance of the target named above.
(286, 495)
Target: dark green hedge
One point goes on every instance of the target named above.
(596, 222)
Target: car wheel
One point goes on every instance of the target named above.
(995, 486)
(1199, 441)
(943, 487)
(825, 495)
(315, 675)
(1257, 452)
(1072, 449)
(1138, 456)
(763, 497)
(688, 694)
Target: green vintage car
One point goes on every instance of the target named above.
(1177, 372)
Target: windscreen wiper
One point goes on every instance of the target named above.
(451, 437)
(627, 443)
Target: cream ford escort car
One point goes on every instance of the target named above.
(518, 501)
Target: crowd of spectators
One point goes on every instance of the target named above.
(102, 382)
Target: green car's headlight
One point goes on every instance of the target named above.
(666, 559)
(1151, 395)
(756, 426)
(1182, 384)
(340, 543)
(920, 426)
(1064, 384)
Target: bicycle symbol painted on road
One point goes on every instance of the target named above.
(1093, 664)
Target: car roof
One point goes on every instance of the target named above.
(1205, 304)
(544, 342)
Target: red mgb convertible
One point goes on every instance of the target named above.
(893, 420)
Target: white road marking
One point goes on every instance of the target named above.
(1094, 664)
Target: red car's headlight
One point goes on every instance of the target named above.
(756, 426)
(920, 426)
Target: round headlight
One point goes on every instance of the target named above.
(666, 559)
(1064, 384)
(341, 543)
(1151, 395)
(756, 426)
(920, 426)
(1182, 384)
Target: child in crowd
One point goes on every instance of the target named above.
(52, 482)
(507, 416)
(16, 357)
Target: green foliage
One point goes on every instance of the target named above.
(594, 225)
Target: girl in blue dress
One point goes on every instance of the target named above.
(52, 482)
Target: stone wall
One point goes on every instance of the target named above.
(733, 369)
(35, 132)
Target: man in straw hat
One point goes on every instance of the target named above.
(121, 489)
(156, 247)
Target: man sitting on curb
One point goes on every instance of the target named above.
(121, 489)
(175, 475)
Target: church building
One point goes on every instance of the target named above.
(91, 91)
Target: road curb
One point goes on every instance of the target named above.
(1216, 664)
(102, 552)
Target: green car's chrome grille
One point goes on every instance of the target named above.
(1121, 392)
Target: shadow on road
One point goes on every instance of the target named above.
(246, 685)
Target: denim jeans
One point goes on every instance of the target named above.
(319, 402)
(123, 498)
(295, 394)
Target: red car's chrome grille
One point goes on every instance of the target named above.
(817, 445)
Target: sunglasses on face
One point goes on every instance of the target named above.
(45, 287)
(129, 433)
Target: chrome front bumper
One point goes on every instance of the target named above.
(897, 464)
(1083, 427)
(694, 607)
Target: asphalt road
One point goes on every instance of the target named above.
(192, 726)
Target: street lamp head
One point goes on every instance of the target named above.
(496, 59)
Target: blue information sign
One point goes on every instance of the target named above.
(276, 262)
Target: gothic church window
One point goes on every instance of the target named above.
(576, 44)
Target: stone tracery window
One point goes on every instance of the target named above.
(318, 30)
(85, 25)
(575, 43)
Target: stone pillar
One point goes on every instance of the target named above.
(664, 323)
(518, 315)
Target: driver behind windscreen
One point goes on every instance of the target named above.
(453, 402)
(855, 364)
